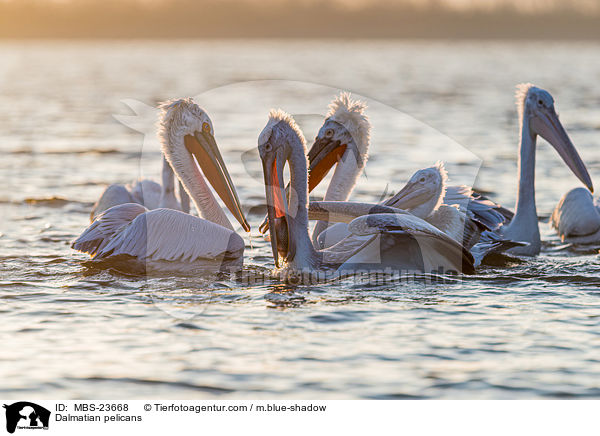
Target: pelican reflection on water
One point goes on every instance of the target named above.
(167, 239)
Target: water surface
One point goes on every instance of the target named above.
(70, 331)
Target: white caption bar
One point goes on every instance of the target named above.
(277, 417)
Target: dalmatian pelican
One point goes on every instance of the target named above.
(423, 197)
(343, 140)
(576, 217)
(166, 239)
(146, 192)
(384, 238)
(537, 116)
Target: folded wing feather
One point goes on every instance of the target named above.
(167, 234)
(106, 226)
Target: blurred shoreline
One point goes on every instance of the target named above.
(234, 19)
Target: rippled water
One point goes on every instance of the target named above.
(71, 331)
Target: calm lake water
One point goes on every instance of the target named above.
(71, 331)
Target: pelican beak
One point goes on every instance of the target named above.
(277, 209)
(412, 195)
(322, 156)
(203, 147)
(548, 126)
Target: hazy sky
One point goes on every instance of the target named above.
(524, 5)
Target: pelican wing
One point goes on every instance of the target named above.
(341, 213)
(483, 209)
(492, 243)
(106, 226)
(332, 235)
(456, 223)
(396, 230)
(170, 235)
(346, 211)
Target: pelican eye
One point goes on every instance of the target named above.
(206, 127)
(268, 146)
(328, 133)
(540, 103)
(422, 180)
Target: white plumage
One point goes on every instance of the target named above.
(576, 217)
(404, 242)
(105, 226)
(347, 124)
(164, 239)
(420, 199)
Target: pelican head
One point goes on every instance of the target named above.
(281, 141)
(536, 106)
(423, 193)
(186, 133)
(345, 134)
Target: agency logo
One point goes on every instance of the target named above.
(26, 415)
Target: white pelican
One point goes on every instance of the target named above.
(343, 140)
(537, 117)
(167, 239)
(576, 217)
(146, 192)
(423, 197)
(396, 241)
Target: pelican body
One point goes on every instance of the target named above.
(576, 217)
(393, 241)
(167, 240)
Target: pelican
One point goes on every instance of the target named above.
(576, 217)
(537, 116)
(146, 192)
(163, 239)
(423, 197)
(343, 140)
(392, 239)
